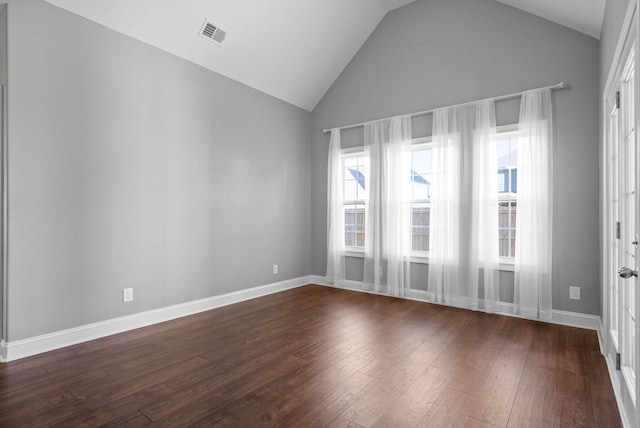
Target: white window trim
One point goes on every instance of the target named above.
(347, 153)
(353, 151)
(354, 252)
(512, 130)
(357, 253)
(420, 144)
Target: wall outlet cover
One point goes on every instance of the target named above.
(574, 293)
(127, 295)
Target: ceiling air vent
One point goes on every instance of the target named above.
(212, 32)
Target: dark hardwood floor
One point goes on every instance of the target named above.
(316, 357)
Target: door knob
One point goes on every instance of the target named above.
(625, 272)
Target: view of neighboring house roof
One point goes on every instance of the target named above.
(358, 176)
(508, 161)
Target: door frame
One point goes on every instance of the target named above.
(629, 36)
(4, 189)
(4, 226)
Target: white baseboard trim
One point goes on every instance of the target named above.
(625, 412)
(601, 337)
(571, 319)
(318, 280)
(576, 319)
(11, 351)
(622, 409)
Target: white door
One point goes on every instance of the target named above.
(628, 241)
(621, 229)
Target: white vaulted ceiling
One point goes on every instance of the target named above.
(290, 49)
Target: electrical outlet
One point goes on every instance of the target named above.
(574, 293)
(127, 295)
(275, 269)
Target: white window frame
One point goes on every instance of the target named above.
(501, 183)
(351, 251)
(419, 144)
(507, 263)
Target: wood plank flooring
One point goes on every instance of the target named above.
(320, 357)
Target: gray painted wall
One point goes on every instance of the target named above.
(130, 167)
(3, 44)
(442, 52)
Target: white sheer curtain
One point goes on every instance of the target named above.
(397, 187)
(485, 251)
(464, 208)
(388, 214)
(444, 224)
(335, 212)
(532, 293)
(464, 259)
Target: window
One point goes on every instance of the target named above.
(501, 181)
(420, 196)
(356, 168)
(507, 151)
(355, 171)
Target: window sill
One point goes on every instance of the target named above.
(354, 253)
(506, 265)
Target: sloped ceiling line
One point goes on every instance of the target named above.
(305, 46)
